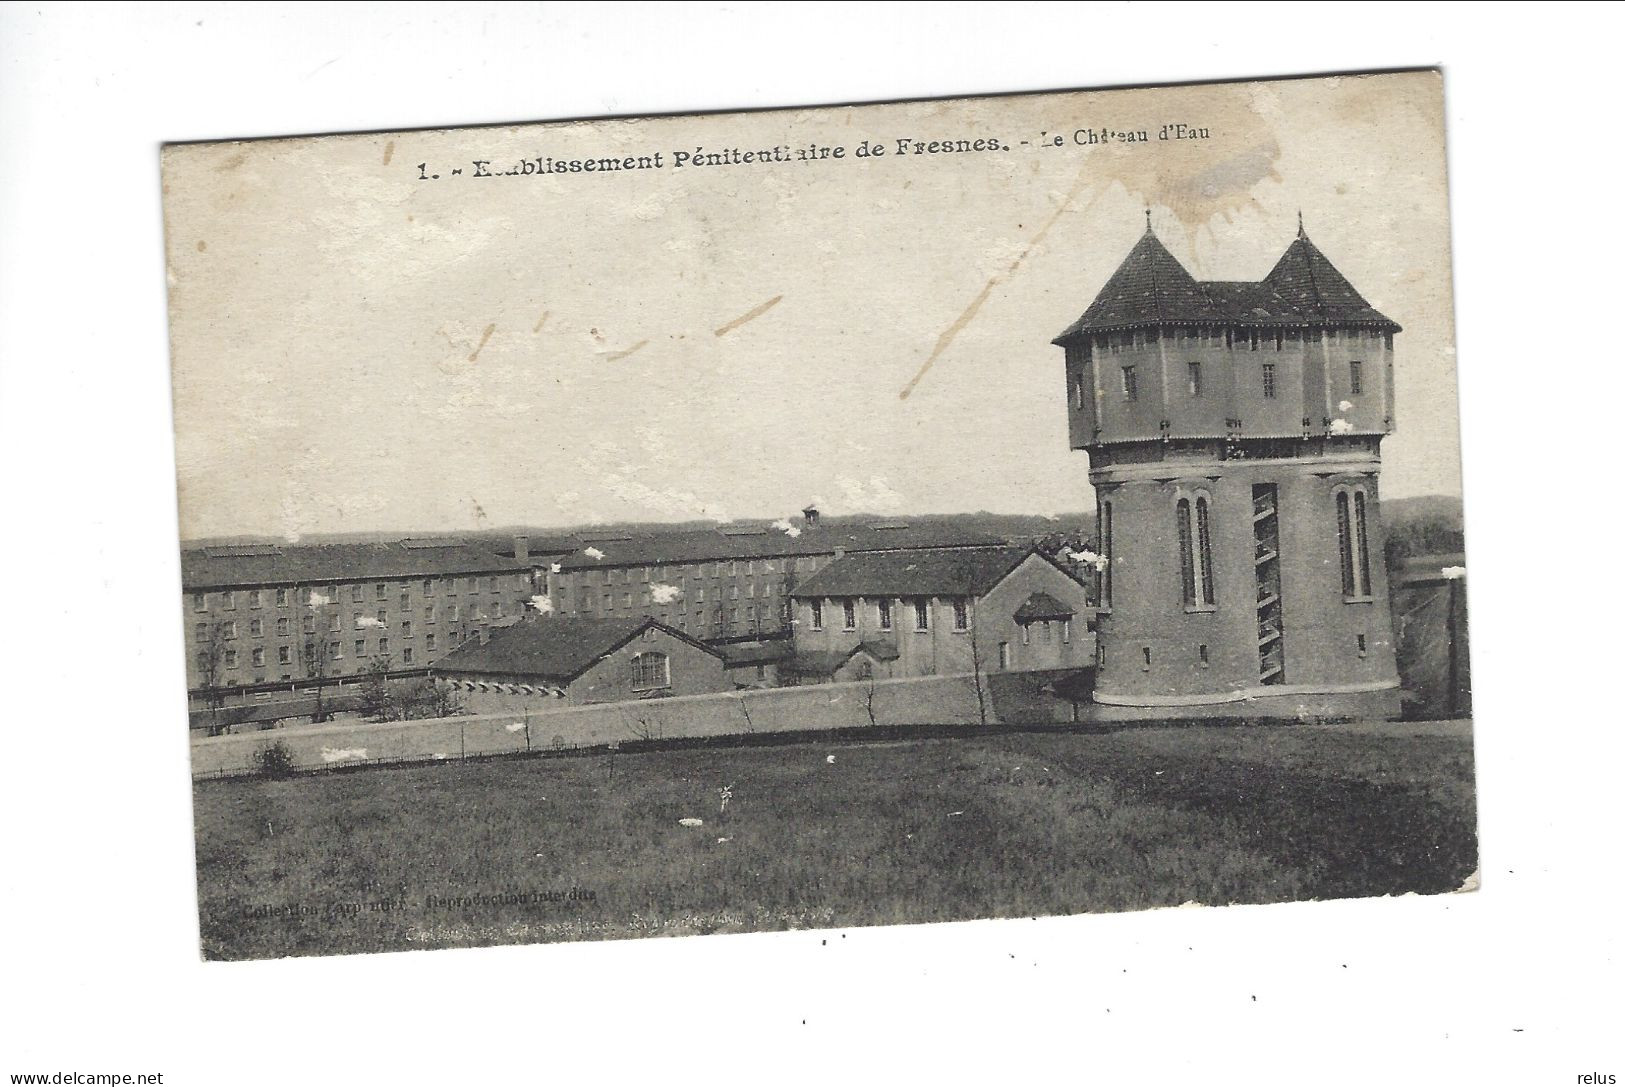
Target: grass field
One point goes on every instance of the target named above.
(1012, 824)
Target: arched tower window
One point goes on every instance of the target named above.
(1194, 520)
(1104, 524)
(1353, 552)
(650, 670)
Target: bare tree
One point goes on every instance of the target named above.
(869, 694)
(211, 662)
(377, 701)
(976, 659)
(317, 663)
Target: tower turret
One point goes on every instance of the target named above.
(1234, 432)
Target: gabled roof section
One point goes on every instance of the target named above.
(557, 649)
(970, 571)
(1313, 286)
(1150, 287)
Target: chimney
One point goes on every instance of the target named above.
(521, 549)
(810, 515)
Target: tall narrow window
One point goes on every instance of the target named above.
(1193, 373)
(1105, 526)
(1352, 551)
(961, 615)
(1362, 564)
(1355, 384)
(885, 614)
(849, 614)
(817, 614)
(922, 615)
(1131, 384)
(1195, 551)
(1269, 380)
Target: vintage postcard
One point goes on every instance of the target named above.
(820, 517)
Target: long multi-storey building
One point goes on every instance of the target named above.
(731, 583)
(286, 614)
(1234, 435)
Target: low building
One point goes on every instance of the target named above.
(547, 663)
(940, 612)
(756, 663)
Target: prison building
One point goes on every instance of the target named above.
(547, 663)
(1233, 432)
(263, 619)
(731, 583)
(945, 611)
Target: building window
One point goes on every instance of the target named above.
(231, 628)
(383, 590)
(496, 610)
(406, 600)
(922, 615)
(231, 658)
(361, 647)
(256, 628)
(310, 624)
(1352, 550)
(1356, 386)
(1045, 634)
(201, 631)
(200, 601)
(1195, 552)
(428, 615)
(1359, 643)
(1145, 655)
(818, 615)
(253, 598)
(885, 614)
(1193, 375)
(1201, 654)
(1131, 384)
(1066, 631)
(1269, 378)
(428, 586)
(1026, 634)
(650, 671)
(1004, 656)
(258, 657)
(1104, 524)
(228, 601)
(961, 615)
(406, 628)
(284, 654)
(383, 646)
(406, 655)
(849, 615)
(383, 615)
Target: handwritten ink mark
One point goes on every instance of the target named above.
(542, 321)
(481, 346)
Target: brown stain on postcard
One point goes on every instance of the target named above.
(484, 338)
(746, 318)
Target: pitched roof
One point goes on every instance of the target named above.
(825, 662)
(557, 649)
(1151, 288)
(940, 572)
(762, 652)
(1042, 606)
(1315, 288)
(764, 541)
(305, 564)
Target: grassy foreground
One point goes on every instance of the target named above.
(829, 835)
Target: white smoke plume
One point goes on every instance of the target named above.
(542, 604)
(664, 594)
(594, 553)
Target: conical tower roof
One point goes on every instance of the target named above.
(1150, 287)
(1313, 286)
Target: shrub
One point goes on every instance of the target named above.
(274, 760)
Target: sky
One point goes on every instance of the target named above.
(358, 348)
